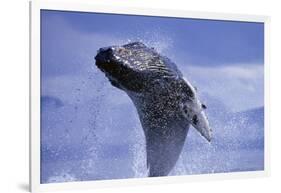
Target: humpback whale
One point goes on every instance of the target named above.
(166, 102)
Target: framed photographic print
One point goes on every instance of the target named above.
(123, 95)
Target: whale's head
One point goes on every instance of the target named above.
(133, 66)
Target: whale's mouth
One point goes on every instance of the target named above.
(105, 61)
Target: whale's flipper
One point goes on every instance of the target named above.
(163, 147)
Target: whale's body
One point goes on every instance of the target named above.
(166, 103)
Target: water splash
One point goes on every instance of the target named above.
(138, 150)
(156, 39)
(62, 177)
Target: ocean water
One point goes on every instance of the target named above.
(103, 139)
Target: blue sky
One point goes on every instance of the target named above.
(205, 42)
(70, 41)
(223, 59)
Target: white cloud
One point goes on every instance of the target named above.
(238, 86)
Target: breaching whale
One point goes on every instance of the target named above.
(166, 102)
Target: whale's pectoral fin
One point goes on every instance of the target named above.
(163, 149)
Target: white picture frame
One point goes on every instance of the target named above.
(36, 6)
